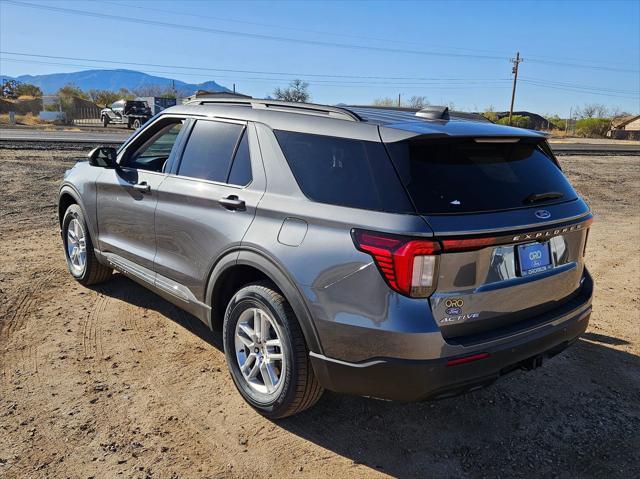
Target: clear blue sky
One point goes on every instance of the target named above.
(575, 52)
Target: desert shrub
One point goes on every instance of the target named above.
(491, 116)
(516, 120)
(593, 127)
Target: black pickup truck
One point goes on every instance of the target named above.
(133, 113)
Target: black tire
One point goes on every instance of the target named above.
(136, 124)
(105, 121)
(93, 272)
(299, 388)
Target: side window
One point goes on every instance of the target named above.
(241, 170)
(209, 150)
(344, 172)
(155, 150)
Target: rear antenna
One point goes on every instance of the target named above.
(433, 112)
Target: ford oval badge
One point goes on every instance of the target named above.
(543, 214)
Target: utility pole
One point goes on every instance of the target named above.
(516, 61)
(398, 100)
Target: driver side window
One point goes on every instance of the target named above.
(153, 153)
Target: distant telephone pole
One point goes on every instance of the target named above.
(516, 61)
(398, 100)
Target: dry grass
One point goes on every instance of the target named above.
(28, 119)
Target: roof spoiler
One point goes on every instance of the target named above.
(433, 112)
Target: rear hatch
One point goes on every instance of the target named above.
(513, 229)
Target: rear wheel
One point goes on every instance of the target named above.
(136, 124)
(266, 353)
(81, 259)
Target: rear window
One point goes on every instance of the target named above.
(463, 176)
(344, 172)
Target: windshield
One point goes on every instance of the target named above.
(465, 176)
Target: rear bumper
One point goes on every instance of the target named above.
(413, 380)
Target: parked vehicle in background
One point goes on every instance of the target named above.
(133, 113)
(158, 103)
(403, 255)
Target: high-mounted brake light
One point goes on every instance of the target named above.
(408, 265)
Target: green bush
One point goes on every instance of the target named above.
(491, 116)
(593, 127)
(516, 120)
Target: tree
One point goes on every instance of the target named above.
(155, 90)
(518, 121)
(593, 127)
(557, 121)
(386, 101)
(70, 90)
(594, 110)
(418, 102)
(490, 114)
(13, 89)
(27, 89)
(297, 92)
(125, 94)
(103, 97)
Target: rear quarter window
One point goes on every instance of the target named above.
(344, 172)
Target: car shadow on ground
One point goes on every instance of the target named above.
(575, 416)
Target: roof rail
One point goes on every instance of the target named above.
(284, 106)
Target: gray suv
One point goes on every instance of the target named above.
(390, 253)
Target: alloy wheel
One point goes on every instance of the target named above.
(76, 246)
(260, 351)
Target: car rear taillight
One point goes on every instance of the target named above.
(408, 265)
(586, 236)
(467, 244)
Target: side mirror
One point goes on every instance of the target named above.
(103, 156)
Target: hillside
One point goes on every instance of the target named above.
(113, 80)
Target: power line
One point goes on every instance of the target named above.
(440, 85)
(533, 58)
(576, 90)
(305, 75)
(291, 40)
(236, 33)
(581, 86)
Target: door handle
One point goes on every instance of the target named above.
(144, 187)
(232, 202)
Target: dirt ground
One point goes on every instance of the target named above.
(115, 382)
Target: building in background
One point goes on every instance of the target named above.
(625, 128)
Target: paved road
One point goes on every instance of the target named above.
(113, 136)
(118, 136)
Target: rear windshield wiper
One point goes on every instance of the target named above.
(535, 197)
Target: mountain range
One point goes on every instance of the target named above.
(113, 80)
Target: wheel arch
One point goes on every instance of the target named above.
(248, 266)
(69, 196)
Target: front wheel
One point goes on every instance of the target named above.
(266, 353)
(78, 247)
(105, 120)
